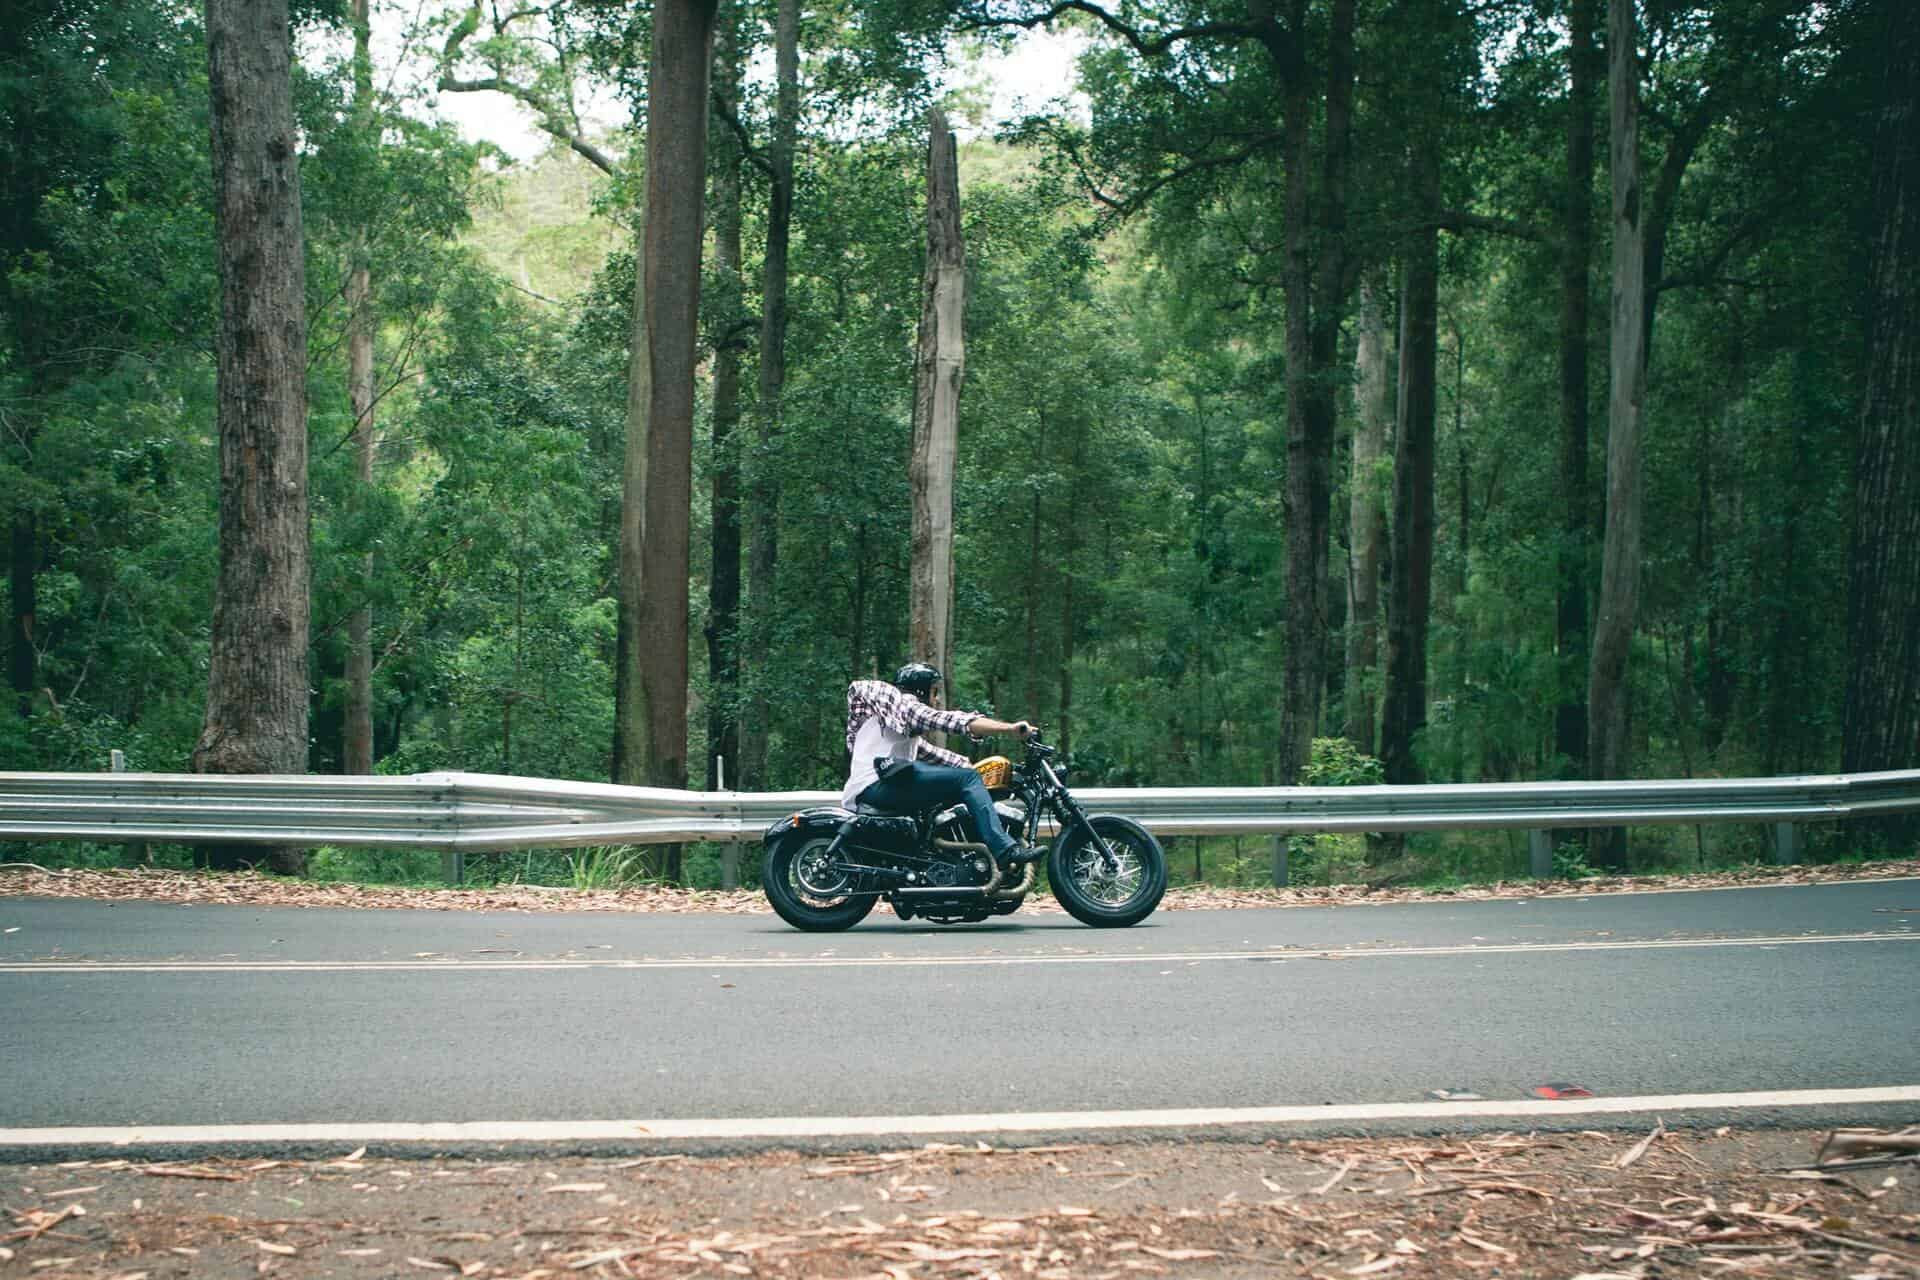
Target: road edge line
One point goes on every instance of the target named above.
(860, 1127)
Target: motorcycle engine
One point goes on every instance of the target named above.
(957, 868)
(953, 825)
(961, 868)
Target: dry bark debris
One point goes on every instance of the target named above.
(1690, 1203)
(1848, 1146)
(251, 888)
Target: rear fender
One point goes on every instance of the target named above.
(827, 820)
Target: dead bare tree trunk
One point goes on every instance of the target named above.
(764, 517)
(257, 711)
(1608, 741)
(938, 369)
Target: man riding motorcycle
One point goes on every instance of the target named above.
(893, 768)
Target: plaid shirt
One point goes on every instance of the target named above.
(901, 712)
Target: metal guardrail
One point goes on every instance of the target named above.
(473, 812)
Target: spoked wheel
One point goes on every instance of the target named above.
(807, 890)
(1113, 887)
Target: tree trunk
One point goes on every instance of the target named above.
(1315, 283)
(857, 660)
(723, 583)
(1608, 741)
(357, 733)
(1069, 618)
(1305, 622)
(629, 722)
(938, 369)
(256, 713)
(764, 518)
(650, 745)
(1367, 519)
(1463, 544)
(1035, 584)
(1410, 583)
(23, 564)
(1717, 686)
(629, 708)
(1881, 724)
(1576, 256)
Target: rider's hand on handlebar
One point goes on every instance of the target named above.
(1024, 729)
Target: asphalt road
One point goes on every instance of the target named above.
(137, 1014)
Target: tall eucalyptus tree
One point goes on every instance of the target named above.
(256, 713)
(650, 690)
(357, 744)
(1882, 714)
(763, 520)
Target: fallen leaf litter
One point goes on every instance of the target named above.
(251, 888)
(1591, 1205)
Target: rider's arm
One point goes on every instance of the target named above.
(984, 725)
(906, 714)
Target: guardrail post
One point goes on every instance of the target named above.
(1280, 862)
(1540, 854)
(1789, 844)
(453, 866)
(730, 851)
(137, 850)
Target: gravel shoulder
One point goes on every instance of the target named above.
(1594, 1205)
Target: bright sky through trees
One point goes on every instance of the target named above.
(1036, 71)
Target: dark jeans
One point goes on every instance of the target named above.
(918, 786)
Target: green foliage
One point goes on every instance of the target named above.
(1330, 857)
(608, 866)
(375, 866)
(1119, 534)
(1570, 860)
(1336, 762)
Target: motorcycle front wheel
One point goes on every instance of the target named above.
(806, 890)
(1108, 893)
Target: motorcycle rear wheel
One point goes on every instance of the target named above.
(805, 891)
(1108, 897)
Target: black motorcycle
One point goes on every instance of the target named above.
(826, 868)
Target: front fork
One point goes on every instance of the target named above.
(1070, 814)
(1075, 816)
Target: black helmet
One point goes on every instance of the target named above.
(916, 678)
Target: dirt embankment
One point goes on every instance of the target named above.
(1590, 1205)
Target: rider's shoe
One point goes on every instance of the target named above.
(1016, 853)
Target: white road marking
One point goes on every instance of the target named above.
(794, 1127)
(456, 964)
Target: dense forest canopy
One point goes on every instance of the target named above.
(1291, 382)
